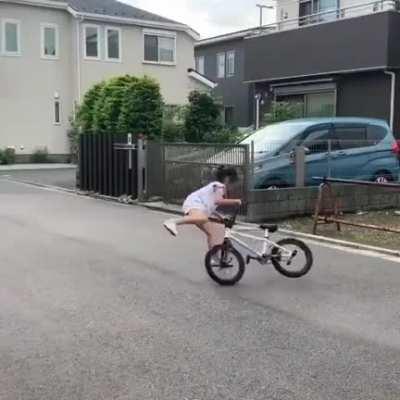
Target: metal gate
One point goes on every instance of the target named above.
(108, 164)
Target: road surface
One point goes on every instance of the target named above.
(98, 302)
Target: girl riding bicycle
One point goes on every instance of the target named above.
(202, 203)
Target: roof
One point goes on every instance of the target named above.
(202, 78)
(237, 35)
(112, 11)
(116, 9)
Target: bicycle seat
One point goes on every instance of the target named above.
(270, 228)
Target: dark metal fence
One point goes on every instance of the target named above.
(107, 165)
(187, 167)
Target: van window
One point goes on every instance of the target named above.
(351, 137)
(317, 141)
(375, 134)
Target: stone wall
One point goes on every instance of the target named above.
(264, 205)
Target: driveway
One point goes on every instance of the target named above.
(98, 302)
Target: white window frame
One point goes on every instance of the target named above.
(200, 61)
(165, 34)
(230, 74)
(86, 57)
(218, 71)
(42, 44)
(3, 37)
(55, 122)
(119, 30)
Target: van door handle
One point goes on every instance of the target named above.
(342, 153)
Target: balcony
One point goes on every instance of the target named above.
(346, 40)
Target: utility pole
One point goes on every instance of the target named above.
(262, 7)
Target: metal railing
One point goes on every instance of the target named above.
(327, 16)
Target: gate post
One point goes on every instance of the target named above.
(300, 166)
(141, 169)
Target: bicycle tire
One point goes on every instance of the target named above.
(231, 251)
(292, 274)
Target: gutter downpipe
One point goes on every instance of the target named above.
(392, 96)
(79, 19)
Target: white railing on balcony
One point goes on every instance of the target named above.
(329, 16)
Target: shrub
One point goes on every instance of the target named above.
(85, 115)
(7, 156)
(141, 111)
(283, 111)
(202, 119)
(73, 137)
(40, 156)
(173, 123)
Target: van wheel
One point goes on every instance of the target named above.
(383, 177)
(274, 184)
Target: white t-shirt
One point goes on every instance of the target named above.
(205, 198)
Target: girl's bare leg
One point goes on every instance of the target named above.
(214, 232)
(194, 217)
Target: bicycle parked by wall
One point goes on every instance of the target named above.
(226, 265)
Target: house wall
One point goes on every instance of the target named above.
(174, 80)
(28, 84)
(231, 90)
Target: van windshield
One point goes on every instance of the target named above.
(273, 137)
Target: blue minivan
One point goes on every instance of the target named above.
(347, 148)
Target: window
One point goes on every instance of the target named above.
(113, 44)
(11, 37)
(221, 65)
(200, 64)
(230, 59)
(351, 137)
(49, 41)
(375, 134)
(92, 42)
(319, 9)
(317, 140)
(229, 116)
(57, 112)
(160, 48)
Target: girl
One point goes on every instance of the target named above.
(202, 203)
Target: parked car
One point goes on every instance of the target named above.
(347, 148)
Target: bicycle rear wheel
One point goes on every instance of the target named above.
(296, 265)
(225, 265)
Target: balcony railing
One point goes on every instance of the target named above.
(329, 16)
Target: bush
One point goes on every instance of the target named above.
(73, 137)
(224, 135)
(40, 156)
(202, 119)
(7, 156)
(142, 109)
(283, 111)
(85, 115)
(173, 123)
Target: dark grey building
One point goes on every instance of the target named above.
(222, 60)
(346, 67)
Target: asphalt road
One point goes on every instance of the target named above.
(98, 302)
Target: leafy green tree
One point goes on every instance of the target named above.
(141, 111)
(85, 115)
(202, 119)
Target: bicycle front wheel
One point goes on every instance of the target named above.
(293, 258)
(225, 265)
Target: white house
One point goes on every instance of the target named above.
(52, 51)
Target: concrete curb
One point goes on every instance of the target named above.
(35, 167)
(321, 239)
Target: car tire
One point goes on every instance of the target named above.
(383, 177)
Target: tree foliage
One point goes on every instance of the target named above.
(202, 119)
(125, 104)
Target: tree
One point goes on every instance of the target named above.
(202, 119)
(141, 111)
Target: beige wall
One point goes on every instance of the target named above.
(174, 80)
(28, 84)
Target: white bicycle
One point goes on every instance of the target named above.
(226, 265)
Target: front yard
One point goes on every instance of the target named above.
(387, 218)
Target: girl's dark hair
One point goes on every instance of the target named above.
(224, 172)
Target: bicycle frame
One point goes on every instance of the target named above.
(267, 244)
